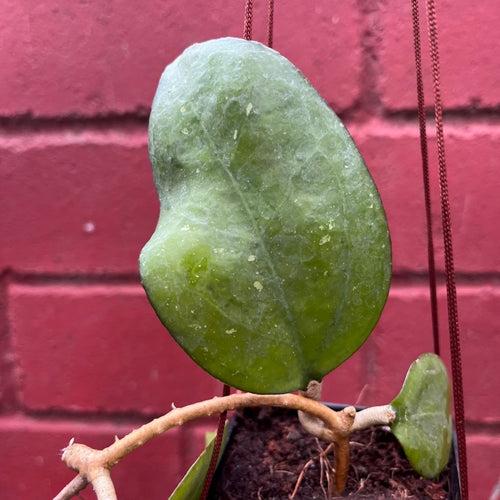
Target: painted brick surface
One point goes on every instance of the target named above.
(469, 54)
(345, 384)
(81, 351)
(99, 348)
(87, 59)
(402, 334)
(32, 469)
(76, 204)
(86, 204)
(484, 460)
(393, 157)
(193, 436)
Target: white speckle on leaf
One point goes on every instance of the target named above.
(258, 285)
(249, 108)
(322, 227)
(325, 239)
(185, 228)
(185, 131)
(183, 109)
(231, 331)
(251, 258)
(346, 166)
(235, 135)
(330, 224)
(89, 227)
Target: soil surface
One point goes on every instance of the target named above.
(270, 456)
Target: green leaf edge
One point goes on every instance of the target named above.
(191, 485)
(411, 453)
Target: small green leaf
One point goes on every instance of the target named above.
(423, 423)
(209, 437)
(270, 262)
(191, 485)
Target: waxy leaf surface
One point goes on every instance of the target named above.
(423, 420)
(270, 263)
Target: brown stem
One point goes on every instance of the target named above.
(103, 486)
(77, 484)
(90, 463)
(376, 415)
(341, 463)
(312, 424)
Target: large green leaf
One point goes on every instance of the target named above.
(270, 263)
(191, 485)
(423, 419)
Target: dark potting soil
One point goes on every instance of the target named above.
(270, 456)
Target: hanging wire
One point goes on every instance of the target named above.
(270, 23)
(247, 25)
(425, 173)
(226, 390)
(451, 290)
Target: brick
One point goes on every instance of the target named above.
(193, 440)
(393, 157)
(77, 203)
(483, 459)
(479, 322)
(344, 385)
(469, 54)
(80, 59)
(393, 160)
(404, 332)
(8, 380)
(98, 207)
(101, 349)
(325, 44)
(32, 467)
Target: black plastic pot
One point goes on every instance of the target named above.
(454, 479)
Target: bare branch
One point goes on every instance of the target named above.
(76, 485)
(341, 463)
(94, 465)
(376, 415)
(103, 486)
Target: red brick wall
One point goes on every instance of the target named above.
(81, 353)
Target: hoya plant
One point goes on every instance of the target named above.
(271, 261)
